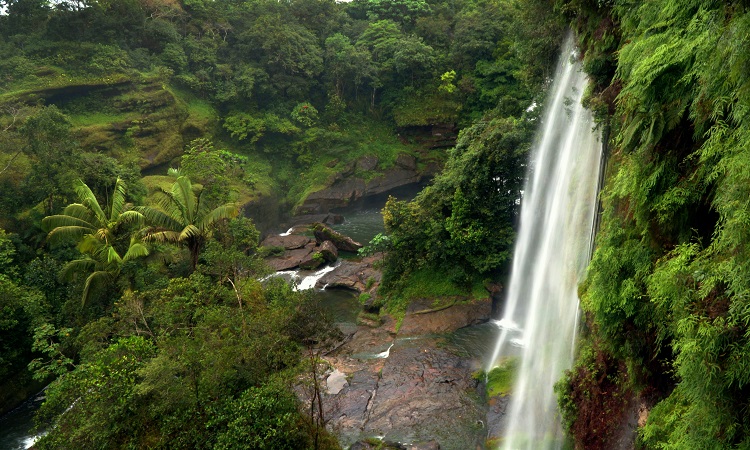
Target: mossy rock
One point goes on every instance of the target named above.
(369, 319)
(500, 379)
(324, 233)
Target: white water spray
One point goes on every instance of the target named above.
(551, 255)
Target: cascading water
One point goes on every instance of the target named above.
(551, 254)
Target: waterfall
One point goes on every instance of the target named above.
(552, 251)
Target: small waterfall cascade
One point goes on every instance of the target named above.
(538, 327)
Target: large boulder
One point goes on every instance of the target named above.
(291, 258)
(423, 318)
(312, 261)
(324, 233)
(357, 276)
(289, 242)
(407, 162)
(367, 163)
(329, 251)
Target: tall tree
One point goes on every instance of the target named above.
(183, 216)
(103, 235)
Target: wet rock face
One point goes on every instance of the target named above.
(290, 242)
(343, 190)
(422, 395)
(424, 319)
(329, 251)
(496, 420)
(291, 258)
(411, 391)
(357, 276)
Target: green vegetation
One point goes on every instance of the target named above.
(501, 378)
(102, 236)
(461, 228)
(176, 345)
(667, 289)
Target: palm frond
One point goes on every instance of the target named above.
(79, 211)
(226, 211)
(171, 206)
(136, 250)
(95, 280)
(75, 267)
(162, 236)
(158, 218)
(174, 172)
(92, 245)
(49, 223)
(72, 232)
(118, 200)
(189, 231)
(112, 256)
(88, 199)
(182, 192)
(132, 217)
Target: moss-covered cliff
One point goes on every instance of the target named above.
(667, 290)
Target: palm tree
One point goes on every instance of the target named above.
(183, 218)
(101, 235)
(103, 264)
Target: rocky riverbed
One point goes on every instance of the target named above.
(407, 388)
(403, 384)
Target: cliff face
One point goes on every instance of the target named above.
(666, 294)
(133, 117)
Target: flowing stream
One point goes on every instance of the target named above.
(552, 252)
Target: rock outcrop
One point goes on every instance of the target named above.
(325, 233)
(412, 391)
(329, 251)
(345, 188)
(307, 253)
(290, 242)
(359, 276)
(423, 318)
(291, 258)
(420, 395)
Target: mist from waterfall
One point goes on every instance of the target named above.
(552, 252)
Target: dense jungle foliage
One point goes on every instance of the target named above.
(133, 289)
(666, 297)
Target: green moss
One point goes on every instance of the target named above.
(500, 379)
(195, 106)
(94, 118)
(432, 284)
(369, 319)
